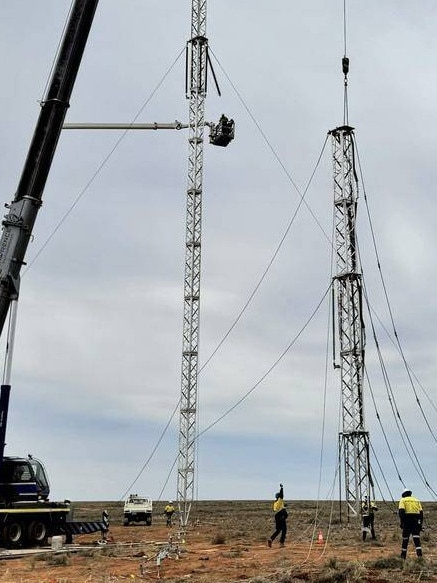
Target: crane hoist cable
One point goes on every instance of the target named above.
(345, 68)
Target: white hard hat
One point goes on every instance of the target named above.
(406, 491)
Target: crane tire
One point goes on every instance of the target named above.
(37, 533)
(13, 534)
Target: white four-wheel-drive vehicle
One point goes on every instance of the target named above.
(137, 509)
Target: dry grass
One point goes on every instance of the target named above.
(227, 543)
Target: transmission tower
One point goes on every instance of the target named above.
(353, 439)
(197, 59)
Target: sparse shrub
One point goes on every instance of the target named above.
(332, 563)
(424, 535)
(59, 560)
(235, 554)
(351, 573)
(218, 539)
(386, 563)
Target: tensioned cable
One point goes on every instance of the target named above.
(383, 477)
(265, 138)
(102, 164)
(378, 417)
(255, 386)
(431, 402)
(269, 370)
(246, 305)
(411, 452)
(146, 463)
(384, 287)
(269, 264)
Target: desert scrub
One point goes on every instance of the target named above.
(350, 573)
(385, 563)
(59, 560)
(218, 539)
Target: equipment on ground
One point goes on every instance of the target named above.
(27, 516)
(137, 509)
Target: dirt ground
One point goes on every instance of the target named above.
(227, 542)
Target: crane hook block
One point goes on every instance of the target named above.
(223, 132)
(345, 64)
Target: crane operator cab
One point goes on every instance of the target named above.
(23, 480)
(223, 132)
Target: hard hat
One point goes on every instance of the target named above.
(170, 502)
(406, 492)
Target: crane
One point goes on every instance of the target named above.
(27, 517)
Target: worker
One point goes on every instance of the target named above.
(280, 514)
(368, 517)
(168, 512)
(411, 521)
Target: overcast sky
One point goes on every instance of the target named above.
(96, 373)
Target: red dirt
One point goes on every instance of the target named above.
(228, 546)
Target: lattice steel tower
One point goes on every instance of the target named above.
(353, 439)
(197, 59)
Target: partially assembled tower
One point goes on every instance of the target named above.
(347, 282)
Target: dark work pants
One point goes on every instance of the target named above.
(411, 527)
(369, 522)
(281, 528)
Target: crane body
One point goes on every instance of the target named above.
(27, 516)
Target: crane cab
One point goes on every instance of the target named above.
(23, 480)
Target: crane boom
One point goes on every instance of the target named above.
(22, 211)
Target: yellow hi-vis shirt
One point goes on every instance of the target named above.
(278, 505)
(410, 504)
